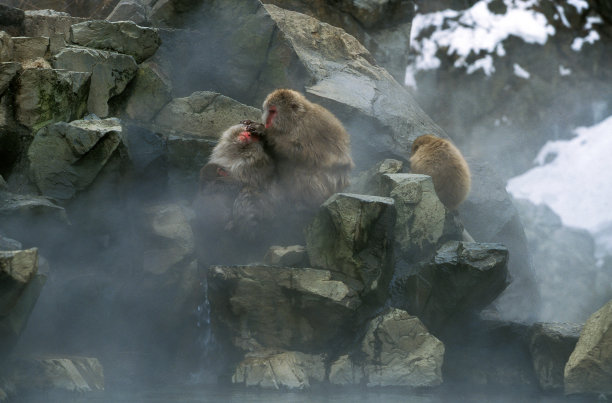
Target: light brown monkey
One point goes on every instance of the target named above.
(310, 147)
(441, 160)
(239, 171)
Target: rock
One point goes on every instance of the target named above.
(353, 234)
(8, 71)
(204, 114)
(550, 345)
(370, 182)
(397, 351)
(7, 47)
(66, 157)
(21, 287)
(27, 49)
(169, 225)
(185, 156)
(489, 215)
(110, 73)
(49, 23)
(46, 96)
(123, 37)
(257, 307)
(462, 277)
(589, 368)
(130, 10)
(290, 256)
(75, 374)
(560, 253)
(147, 94)
(423, 223)
(9, 244)
(11, 20)
(29, 208)
(270, 369)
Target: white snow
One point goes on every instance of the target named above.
(564, 71)
(579, 42)
(476, 30)
(577, 183)
(579, 5)
(521, 72)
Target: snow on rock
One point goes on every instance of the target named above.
(572, 177)
(474, 30)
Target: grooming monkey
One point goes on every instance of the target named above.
(310, 148)
(441, 160)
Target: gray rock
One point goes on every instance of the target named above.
(45, 96)
(8, 71)
(370, 182)
(15, 206)
(256, 307)
(11, 20)
(169, 225)
(550, 345)
(75, 374)
(423, 223)
(589, 368)
(9, 244)
(66, 157)
(203, 114)
(147, 94)
(353, 234)
(462, 277)
(291, 256)
(49, 23)
(27, 48)
(273, 369)
(122, 37)
(131, 10)
(7, 47)
(110, 73)
(397, 350)
(19, 266)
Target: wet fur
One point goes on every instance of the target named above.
(441, 160)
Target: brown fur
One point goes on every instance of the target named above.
(441, 160)
(310, 147)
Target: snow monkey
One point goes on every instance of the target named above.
(310, 147)
(240, 170)
(441, 160)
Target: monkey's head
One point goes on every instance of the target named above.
(423, 140)
(282, 109)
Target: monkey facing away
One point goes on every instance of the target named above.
(239, 172)
(310, 147)
(441, 160)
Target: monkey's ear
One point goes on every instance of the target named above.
(294, 106)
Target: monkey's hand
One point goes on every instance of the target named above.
(255, 128)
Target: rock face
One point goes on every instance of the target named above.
(123, 37)
(353, 234)
(110, 73)
(21, 287)
(66, 157)
(550, 345)
(46, 96)
(589, 368)
(270, 369)
(258, 307)
(462, 277)
(398, 351)
(75, 374)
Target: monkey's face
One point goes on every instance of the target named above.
(246, 137)
(282, 110)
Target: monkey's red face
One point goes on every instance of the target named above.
(246, 137)
(272, 112)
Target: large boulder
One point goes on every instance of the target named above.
(462, 277)
(147, 94)
(11, 20)
(256, 307)
(110, 73)
(397, 350)
(74, 374)
(46, 96)
(123, 37)
(272, 369)
(49, 23)
(353, 234)
(66, 157)
(589, 368)
(550, 345)
(7, 47)
(27, 49)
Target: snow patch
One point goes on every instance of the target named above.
(564, 71)
(521, 72)
(590, 39)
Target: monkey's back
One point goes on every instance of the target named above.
(449, 171)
